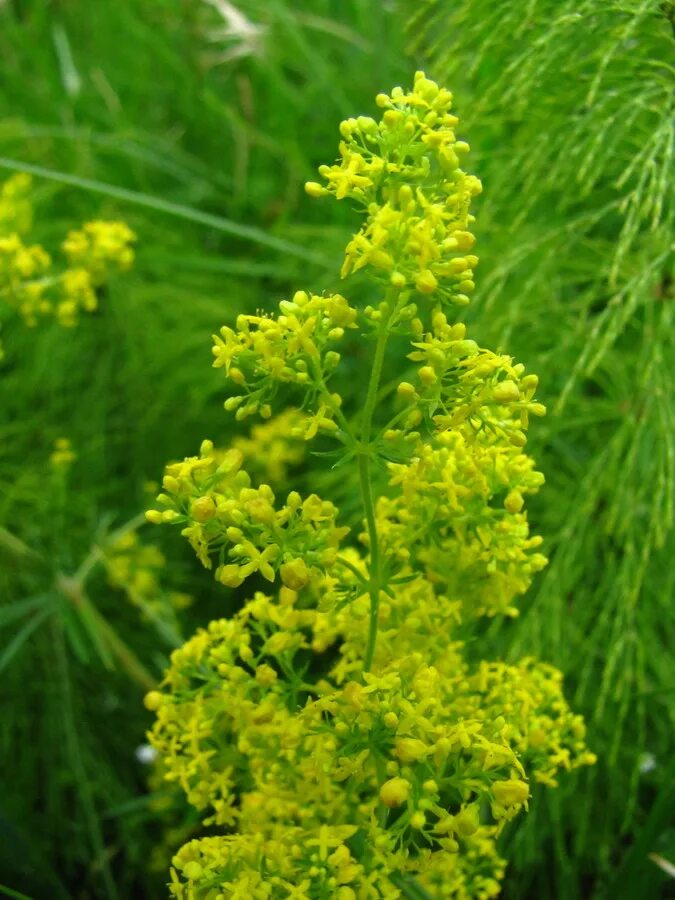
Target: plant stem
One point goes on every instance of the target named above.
(375, 575)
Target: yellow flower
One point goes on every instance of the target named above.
(395, 792)
(511, 792)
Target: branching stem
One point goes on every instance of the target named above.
(365, 455)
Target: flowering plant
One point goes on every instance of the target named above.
(335, 732)
(28, 280)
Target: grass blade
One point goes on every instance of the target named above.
(227, 226)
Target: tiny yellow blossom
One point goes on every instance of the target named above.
(395, 792)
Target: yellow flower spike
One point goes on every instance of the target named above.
(343, 691)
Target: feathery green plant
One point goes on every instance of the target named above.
(571, 110)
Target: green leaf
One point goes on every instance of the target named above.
(21, 607)
(22, 636)
(227, 226)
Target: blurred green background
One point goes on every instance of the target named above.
(197, 122)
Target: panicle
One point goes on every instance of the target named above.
(327, 775)
(404, 172)
(29, 280)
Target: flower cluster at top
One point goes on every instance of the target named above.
(405, 172)
(338, 734)
(28, 280)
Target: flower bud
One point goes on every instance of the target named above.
(426, 282)
(395, 792)
(514, 502)
(427, 376)
(418, 820)
(295, 574)
(229, 576)
(406, 391)
(506, 392)
(410, 749)
(153, 700)
(511, 792)
(203, 509)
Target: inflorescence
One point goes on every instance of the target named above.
(29, 280)
(334, 734)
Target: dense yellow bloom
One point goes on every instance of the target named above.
(449, 520)
(405, 172)
(335, 729)
(100, 248)
(31, 284)
(295, 348)
(222, 513)
(431, 747)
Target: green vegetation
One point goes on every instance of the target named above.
(197, 124)
(571, 106)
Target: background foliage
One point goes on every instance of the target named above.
(570, 107)
(198, 123)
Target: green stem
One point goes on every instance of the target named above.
(375, 579)
(323, 390)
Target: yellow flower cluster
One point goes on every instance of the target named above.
(22, 277)
(212, 496)
(456, 517)
(409, 758)
(100, 249)
(28, 281)
(136, 568)
(404, 171)
(335, 731)
(464, 387)
(293, 348)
